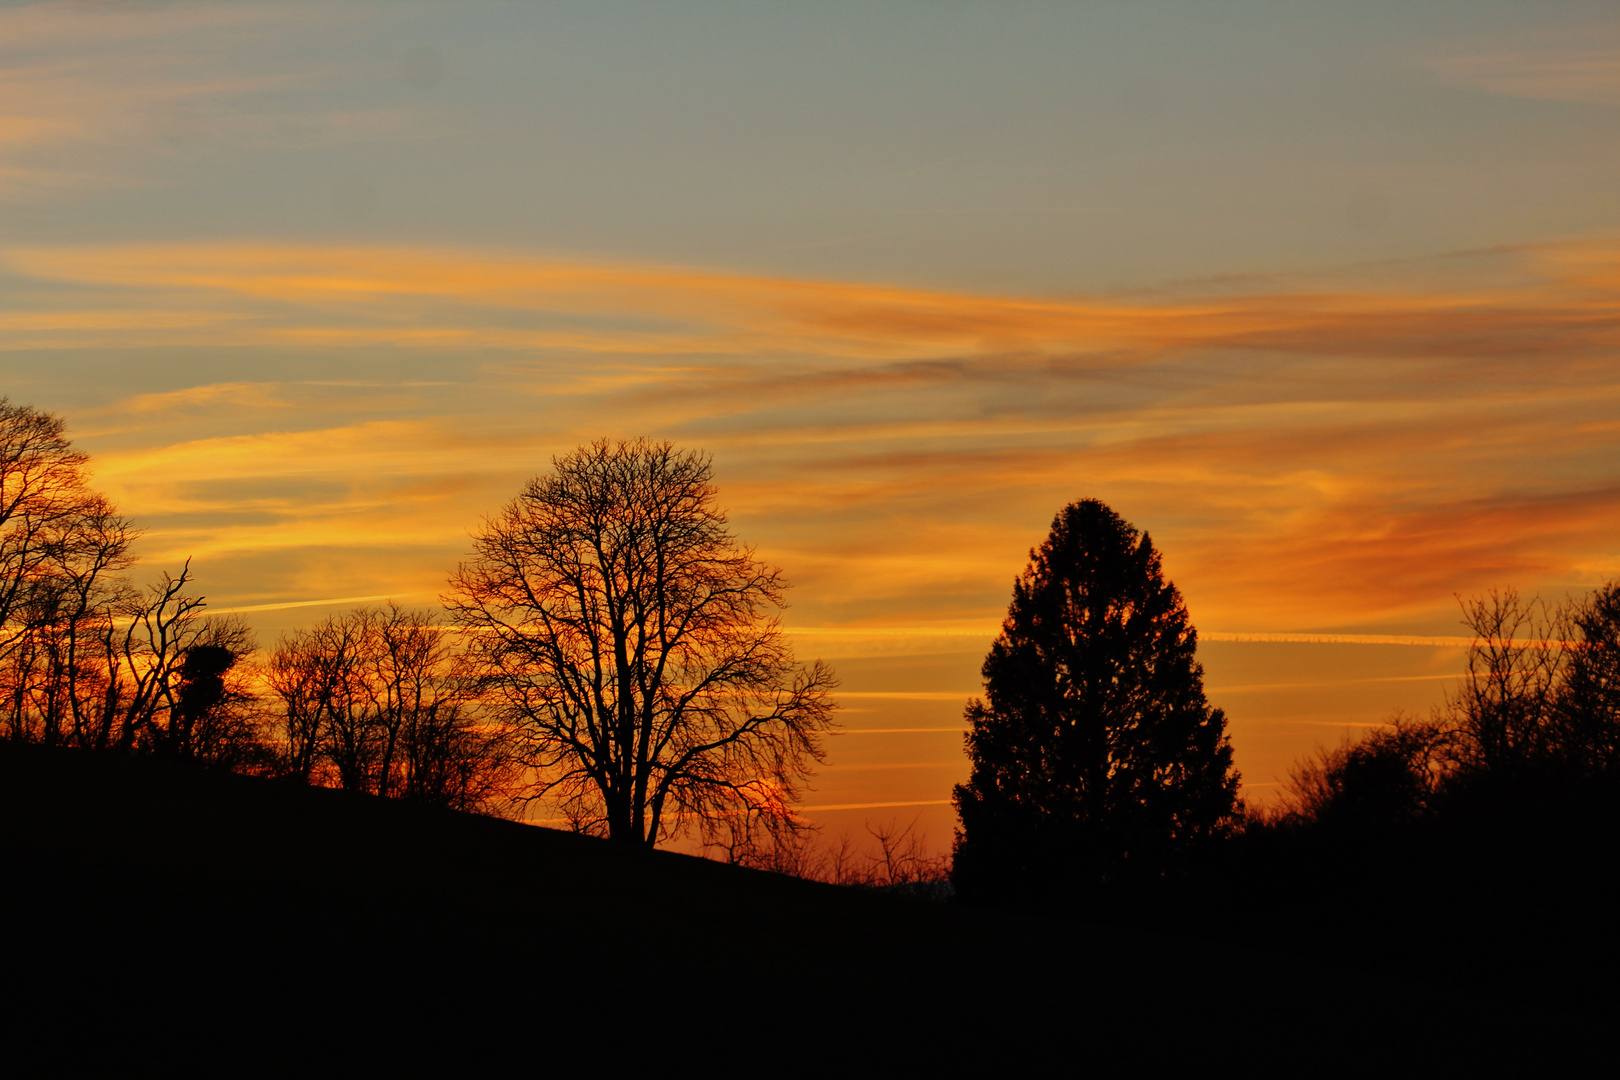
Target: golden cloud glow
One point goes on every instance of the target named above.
(1325, 460)
(1310, 460)
(359, 296)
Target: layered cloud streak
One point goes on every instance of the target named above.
(1339, 452)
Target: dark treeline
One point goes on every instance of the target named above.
(1536, 716)
(86, 658)
(378, 700)
(610, 656)
(1474, 846)
(612, 650)
(1471, 847)
(373, 700)
(608, 652)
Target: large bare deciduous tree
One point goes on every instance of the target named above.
(634, 643)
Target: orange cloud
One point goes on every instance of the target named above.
(1322, 456)
(368, 295)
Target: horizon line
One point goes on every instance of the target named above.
(1223, 636)
(1232, 636)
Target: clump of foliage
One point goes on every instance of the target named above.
(1388, 778)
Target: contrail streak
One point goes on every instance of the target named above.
(303, 603)
(876, 805)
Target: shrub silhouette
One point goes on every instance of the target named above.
(1388, 778)
(1537, 714)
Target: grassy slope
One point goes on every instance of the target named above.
(163, 915)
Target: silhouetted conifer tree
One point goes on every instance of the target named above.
(1094, 751)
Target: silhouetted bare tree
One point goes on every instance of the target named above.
(62, 547)
(375, 700)
(86, 660)
(1587, 715)
(215, 714)
(1503, 710)
(632, 641)
(903, 863)
(51, 525)
(166, 646)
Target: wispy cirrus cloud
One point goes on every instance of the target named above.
(249, 395)
(88, 91)
(1562, 301)
(1310, 455)
(1583, 68)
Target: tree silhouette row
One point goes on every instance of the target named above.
(612, 652)
(1537, 713)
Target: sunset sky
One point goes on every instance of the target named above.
(1324, 297)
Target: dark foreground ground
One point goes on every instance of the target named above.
(158, 918)
(1511, 893)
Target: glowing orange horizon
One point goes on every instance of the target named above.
(1328, 463)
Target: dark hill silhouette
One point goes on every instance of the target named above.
(1509, 893)
(158, 915)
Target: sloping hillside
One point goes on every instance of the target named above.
(161, 915)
